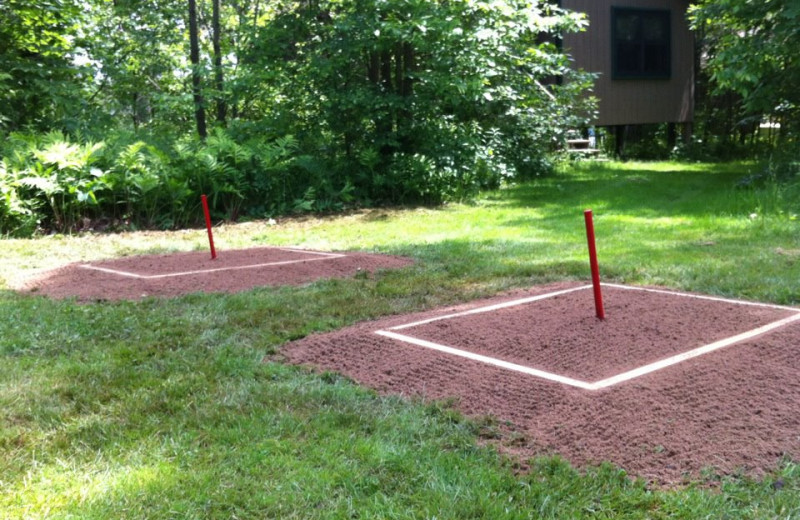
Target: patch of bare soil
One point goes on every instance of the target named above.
(174, 274)
(731, 410)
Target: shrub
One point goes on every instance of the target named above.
(420, 101)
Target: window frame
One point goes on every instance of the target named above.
(666, 14)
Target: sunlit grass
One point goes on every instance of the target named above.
(164, 408)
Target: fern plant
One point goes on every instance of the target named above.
(61, 173)
(137, 180)
(17, 217)
(231, 169)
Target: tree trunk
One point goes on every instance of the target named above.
(135, 111)
(374, 68)
(199, 111)
(405, 86)
(218, 76)
(619, 139)
(385, 119)
(672, 136)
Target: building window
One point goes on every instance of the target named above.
(640, 43)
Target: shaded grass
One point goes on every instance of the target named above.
(164, 408)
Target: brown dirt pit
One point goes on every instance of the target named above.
(728, 411)
(175, 274)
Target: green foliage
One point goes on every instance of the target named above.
(143, 57)
(753, 51)
(331, 104)
(52, 183)
(40, 86)
(54, 173)
(17, 218)
(146, 190)
(419, 101)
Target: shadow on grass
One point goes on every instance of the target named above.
(636, 190)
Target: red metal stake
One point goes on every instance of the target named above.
(598, 295)
(208, 226)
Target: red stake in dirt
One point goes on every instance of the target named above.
(598, 295)
(208, 226)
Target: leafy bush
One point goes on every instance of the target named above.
(56, 183)
(17, 218)
(50, 172)
(146, 189)
(419, 100)
(331, 103)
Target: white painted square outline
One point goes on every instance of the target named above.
(118, 272)
(604, 383)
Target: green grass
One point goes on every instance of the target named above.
(165, 409)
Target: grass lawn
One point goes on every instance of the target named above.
(164, 408)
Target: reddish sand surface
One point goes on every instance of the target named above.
(731, 410)
(174, 274)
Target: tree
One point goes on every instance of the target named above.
(141, 63)
(41, 86)
(754, 50)
(403, 97)
(319, 103)
(197, 94)
(219, 82)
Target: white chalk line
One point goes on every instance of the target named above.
(702, 297)
(674, 360)
(490, 308)
(327, 256)
(486, 359)
(530, 299)
(308, 251)
(604, 383)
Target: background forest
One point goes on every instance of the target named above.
(121, 113)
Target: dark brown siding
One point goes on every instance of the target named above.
(635, 101)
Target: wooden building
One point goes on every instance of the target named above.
(643, 51)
